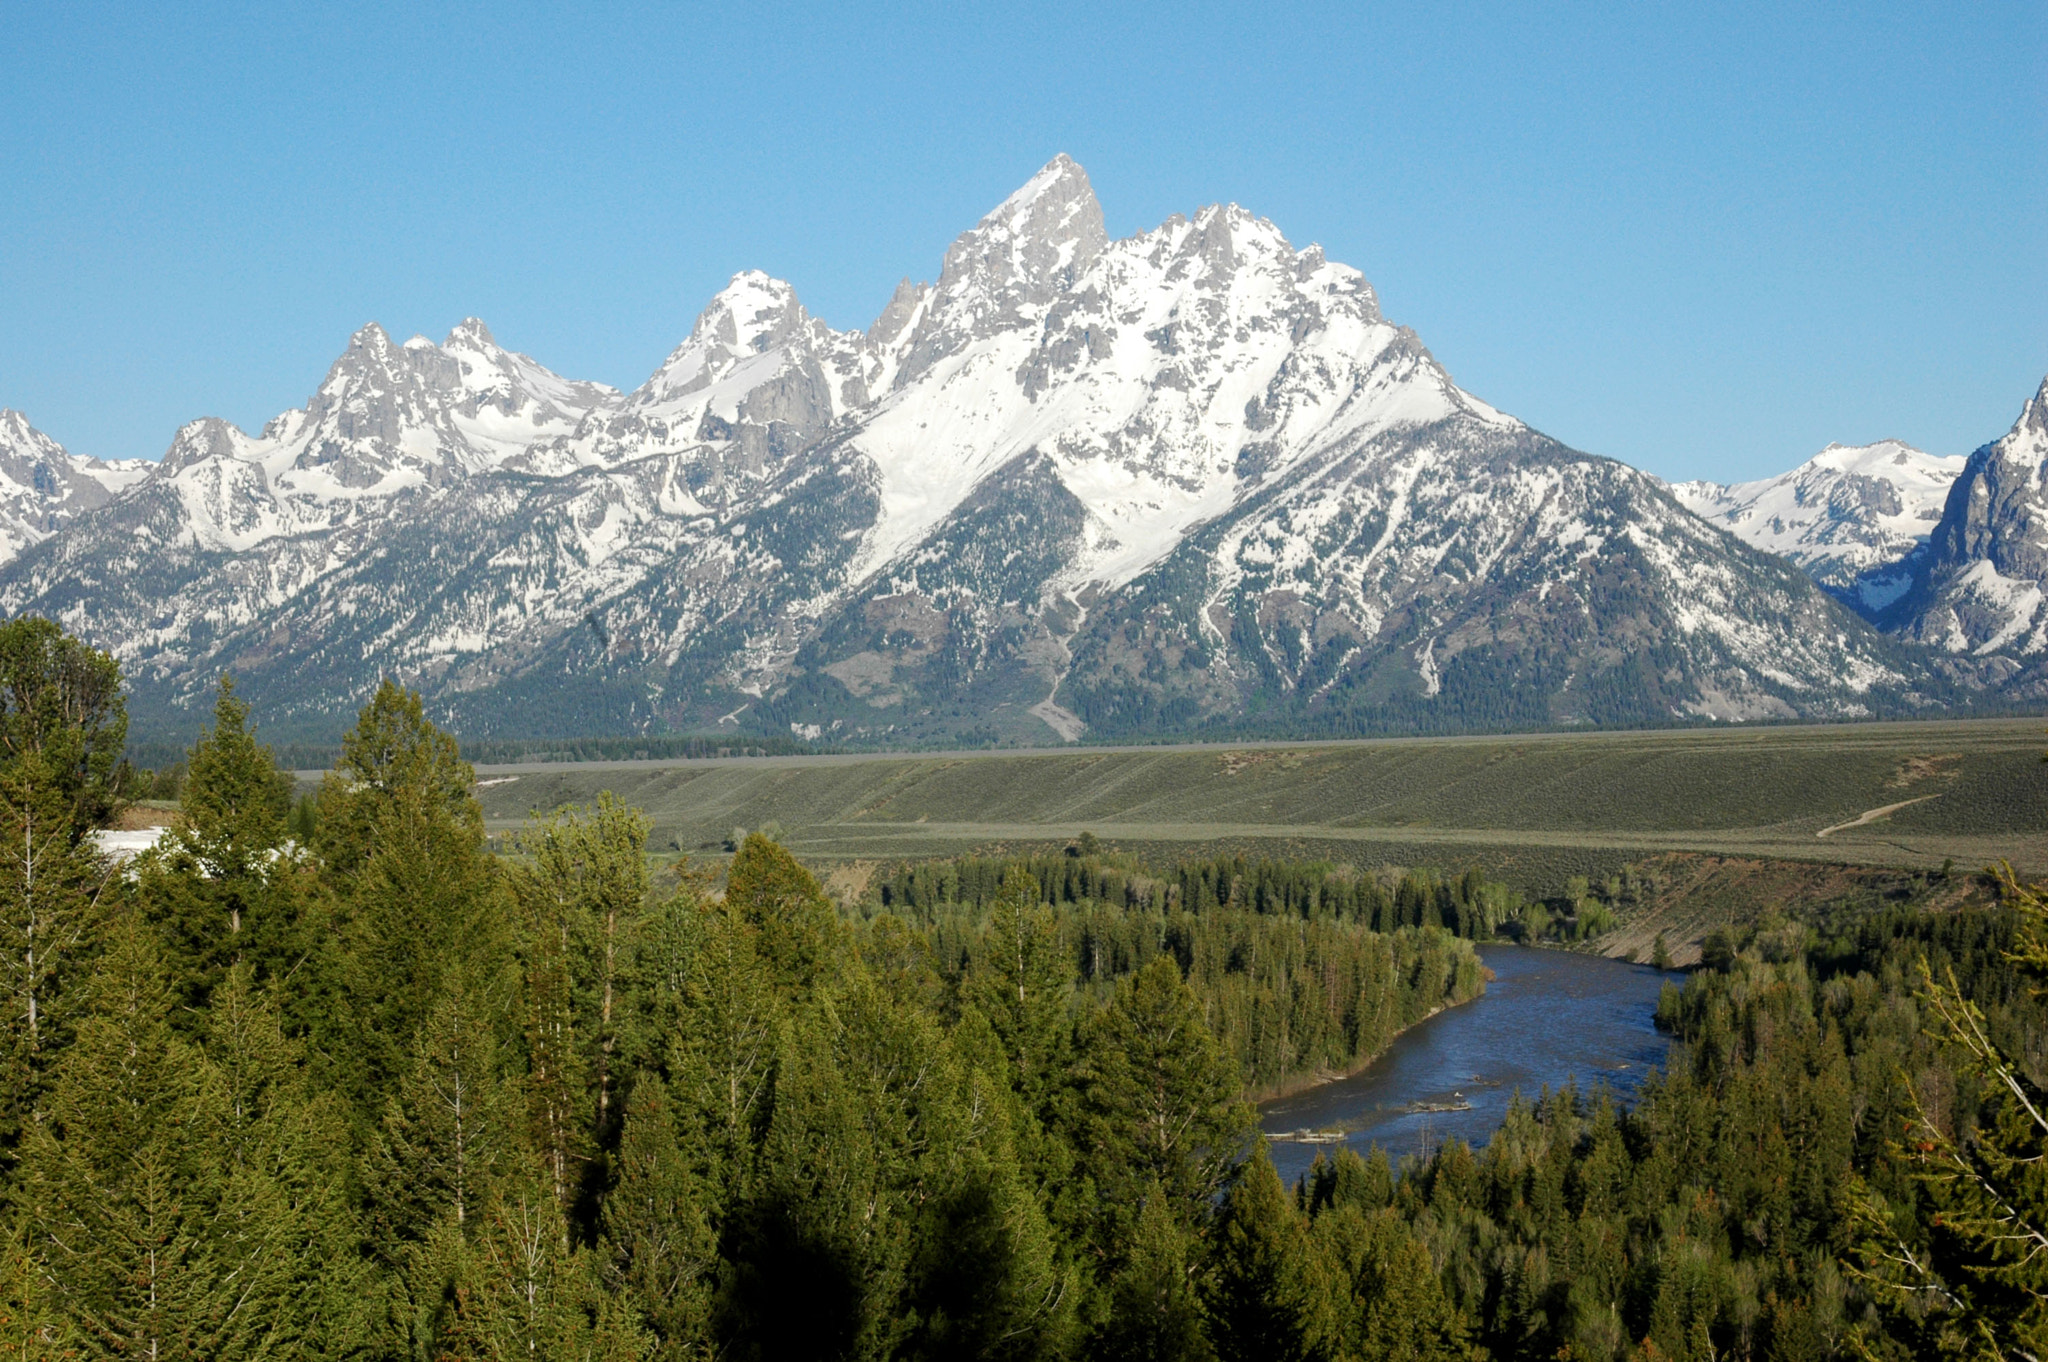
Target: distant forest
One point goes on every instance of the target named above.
(332, 1080)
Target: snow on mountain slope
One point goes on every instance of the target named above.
(1978, 589)
(1844, 512)
(1191, 480)
(43, 486)
(1241, 489)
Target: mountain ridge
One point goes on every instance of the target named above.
(1166, 484)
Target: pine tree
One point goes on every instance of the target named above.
(118, 1181)
(53, 888)
(1382, 1300)
(420, 901)
(1161, 1099)
(1260, 1296)
(62, 723)
(788, 909)
(219, 887)
(663, 1255)
(62, 726)
(533, 1287)
(986, 1275)
(582, 896)
(452, 1129)
(32, 1328)
(1153, 1312)
(283, 1232)
(1023, 986)
(1980, 1288)
(723, 1056)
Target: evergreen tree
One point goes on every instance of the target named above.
(1024, 986)
(53, 889)
(119, 1183)
(582, 894)
(1261, 1296)
(535, 1297)
(1383, 1298)
(1978, 1285)
(1153, 1312)
(657, 1231)
(219, 887)
(62, 725)
(452, 1130)
(787, 908)
(283, 1232)
(32, 1326)
(724, 1053)
(419, 900)
(986, 1276)
(1161, 1101)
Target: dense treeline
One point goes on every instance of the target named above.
(156, 760)
(1468, 906)
(1289, 997)
(333, 1081)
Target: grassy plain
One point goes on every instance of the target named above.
(1532, 809)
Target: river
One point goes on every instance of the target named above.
(1547, 1017)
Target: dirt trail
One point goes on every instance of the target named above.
(1872, 815)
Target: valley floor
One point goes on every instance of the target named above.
(1904, 795)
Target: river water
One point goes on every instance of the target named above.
(1546, 1018)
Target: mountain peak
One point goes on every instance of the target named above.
(472, 332)
(2034, 416)
(1032, 244)
(1061, 180)
(753, 311)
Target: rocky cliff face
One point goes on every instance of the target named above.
(1976, 593)
(1191, 481)
(44, 487)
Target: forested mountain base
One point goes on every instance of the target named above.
(336, 1082)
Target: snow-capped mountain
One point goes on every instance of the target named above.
(43, 486)
(1978, 590)
(1191, 480)
(1844, 512)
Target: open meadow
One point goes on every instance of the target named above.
(1531, 808)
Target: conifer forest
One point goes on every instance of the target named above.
(338, 1077)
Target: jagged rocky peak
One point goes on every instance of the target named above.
(1033, 245)
(757, 379)
(516, 384)
(750, 317)
(998, 275)
(1982, 587)
(43, 486)
(198, 441)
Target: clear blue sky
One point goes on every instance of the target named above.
(1704, 239)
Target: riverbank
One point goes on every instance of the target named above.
(1323, 1077)
(1546, 1018)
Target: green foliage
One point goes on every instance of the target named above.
(416, 905)
(220, 887)
(335, 1082)
(782, 903)
(61, 729)
(62, 725)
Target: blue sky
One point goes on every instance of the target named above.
(1704, 239)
